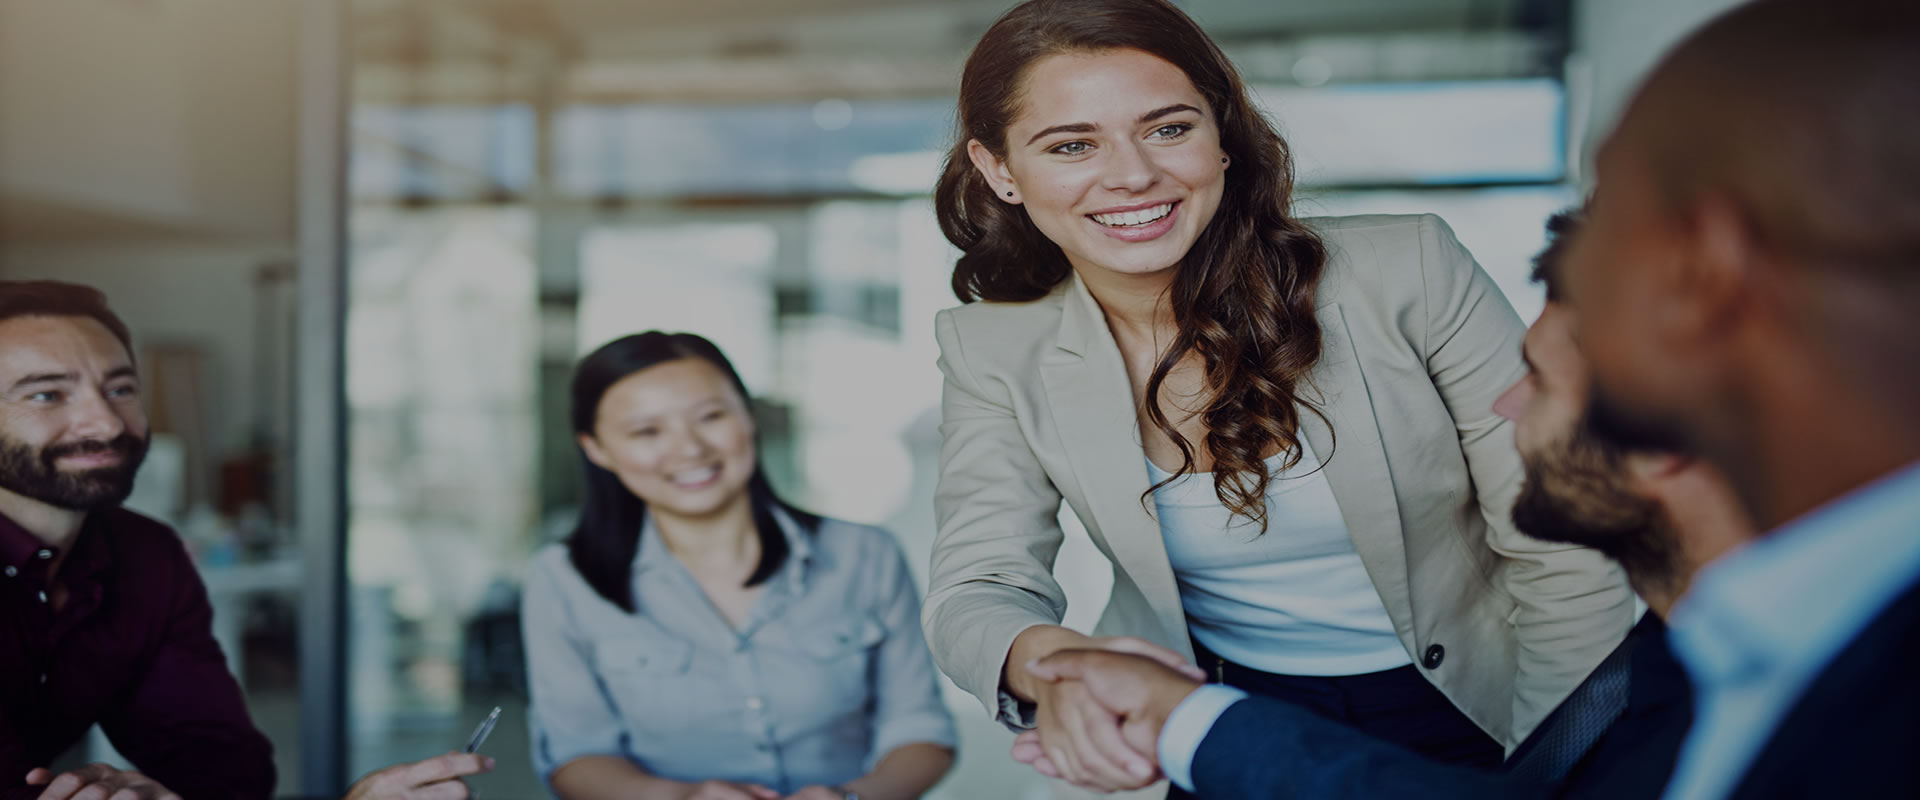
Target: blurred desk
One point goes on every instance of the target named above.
(229, 586)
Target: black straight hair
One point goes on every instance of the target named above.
(607, 537)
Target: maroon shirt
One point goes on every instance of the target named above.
(133, 650)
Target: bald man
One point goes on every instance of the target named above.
(1748, 288)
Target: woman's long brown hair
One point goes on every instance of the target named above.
(1243, 298)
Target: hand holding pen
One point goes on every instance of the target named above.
(437, 778)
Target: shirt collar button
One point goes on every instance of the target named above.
(12, 570)
(44, 554)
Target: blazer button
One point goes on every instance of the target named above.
(1435, 655)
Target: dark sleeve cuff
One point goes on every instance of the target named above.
(1016, 714)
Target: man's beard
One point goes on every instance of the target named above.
(37, 476)
(1576, 493)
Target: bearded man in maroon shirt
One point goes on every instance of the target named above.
(103, 618)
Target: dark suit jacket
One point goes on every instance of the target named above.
(1264, 748)
(1856, 730)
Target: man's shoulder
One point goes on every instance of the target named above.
(1884, 652)
(1851, 733)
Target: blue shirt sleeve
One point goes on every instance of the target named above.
(1187, 727)
(569, 715)
(908, 707)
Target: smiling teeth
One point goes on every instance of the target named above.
(696, 476)
(1128, 219)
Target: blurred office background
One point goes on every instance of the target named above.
(362, 242)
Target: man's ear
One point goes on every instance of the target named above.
(994, 169)
(1721, 265)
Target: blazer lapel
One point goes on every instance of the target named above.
(1356, 465)
(1092, 405)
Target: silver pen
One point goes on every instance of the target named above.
(485, 727)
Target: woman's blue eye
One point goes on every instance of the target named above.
(44, 397)
(1173, 131)
(1070, 148)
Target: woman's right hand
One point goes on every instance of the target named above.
(727, 790)
(1081, 738)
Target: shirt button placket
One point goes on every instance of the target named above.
(744, 678)
(758, 726)
(757, 717)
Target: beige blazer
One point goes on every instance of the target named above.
(1419, 342)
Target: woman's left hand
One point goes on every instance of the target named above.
(818, 793)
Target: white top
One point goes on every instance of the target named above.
(1295, 600)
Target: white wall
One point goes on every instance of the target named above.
(1616, 43)
(148, 149)
(173, 112)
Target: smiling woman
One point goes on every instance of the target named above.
(692, 603)
(1307, 404)
(1064, 167)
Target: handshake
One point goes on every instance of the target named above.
(1100, 707)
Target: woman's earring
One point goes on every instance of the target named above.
(1224, 159)
(1009, 194)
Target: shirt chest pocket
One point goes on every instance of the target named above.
(649, 682)
(838, 656)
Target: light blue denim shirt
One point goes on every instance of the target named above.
(828, 674)
(1761, 623)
